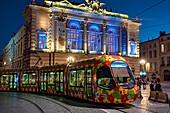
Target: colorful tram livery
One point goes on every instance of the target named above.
(104, 79)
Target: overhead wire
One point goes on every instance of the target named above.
(150, 7)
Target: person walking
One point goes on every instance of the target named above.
(152, 86)
(158, 87)
(139, 87)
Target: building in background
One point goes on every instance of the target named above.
(1, 61)
(156, 54)
(56, 30)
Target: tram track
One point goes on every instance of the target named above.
(26, 97)
(20, 98)
(146, 110)
(38, 107)
(71, 109)
(50, 100)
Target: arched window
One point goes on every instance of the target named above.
(132, 47)
(74, 36)
(42, 39)
(94, 41)
(111, 42)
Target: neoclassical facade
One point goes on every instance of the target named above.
(56, 30)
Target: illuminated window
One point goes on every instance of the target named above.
(111, 42)
(32, 78)
(162, 48)
(42, 39)
(29, 78)
(94, 40)
(51, 78)
(74, 36)
(25, 79)
(123, 74)
(4, 79)
(124, 41)
(104, 78)
(80, 74)
(132, 47)
(77, 78)
(73, 78)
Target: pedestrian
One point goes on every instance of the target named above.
(144, 83)
(139, 88)
(158, 87)
(152, 86)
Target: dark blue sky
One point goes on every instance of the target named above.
(155, 19)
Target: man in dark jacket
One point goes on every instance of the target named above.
(151, 86)
(158, 87)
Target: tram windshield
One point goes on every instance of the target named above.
(122, 74)
(104, 78)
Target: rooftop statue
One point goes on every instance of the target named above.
(95, 5)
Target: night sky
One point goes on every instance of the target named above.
(153, 14)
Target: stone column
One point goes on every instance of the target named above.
(104, 36)
(51, 18)
(85, 36)
(120, 42)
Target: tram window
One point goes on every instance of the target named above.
(4, 79)
(32, 77)
(122, 74)
(80, 74)
(88, 75)
(51, 78)
(58, 75)
(104, 78)
(25, 79)
(61, 76)
(77, 77)
(73, 78)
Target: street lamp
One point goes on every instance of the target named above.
(70, 59)
(142, 70)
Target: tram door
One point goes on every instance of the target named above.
(13, 81)
(89, 83)
(59, 81)
(43, 81)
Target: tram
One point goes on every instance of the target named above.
(103, 79)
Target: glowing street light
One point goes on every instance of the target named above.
(142, 62)
(142, 71)
(70, 59)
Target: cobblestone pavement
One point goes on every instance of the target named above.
(12, 102)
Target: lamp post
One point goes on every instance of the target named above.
(142, 70)
(69, 60)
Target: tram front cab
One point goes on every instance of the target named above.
(116, 83)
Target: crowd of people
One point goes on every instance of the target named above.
(154, 85)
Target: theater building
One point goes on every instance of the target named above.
(55, 30)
